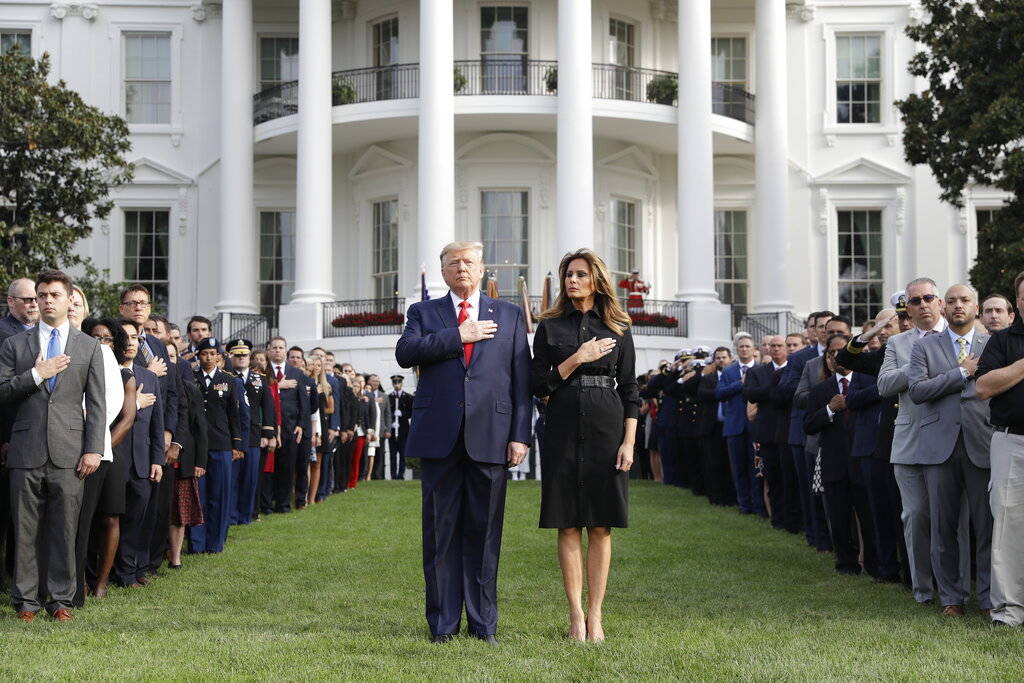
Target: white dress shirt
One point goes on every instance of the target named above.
(849, 381)
(939, 327)
(44, 343)
(473, 313)
(953, 336)
(114, 396)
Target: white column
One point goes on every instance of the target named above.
(436, 163)
(237, 229)
(575, 169)
(313, 190)
(770, 292)
(695, 156)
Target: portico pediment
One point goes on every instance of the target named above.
(862, 172)
(504, 148)
(149, 172)
(376, 160)
(631, 160)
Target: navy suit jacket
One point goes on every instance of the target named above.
(148, 430)
(864, 400)
(837, 435)
(788, 384)
(761, 387)
(295, 410)
(734, 407)
(489, 400)
(168, 383)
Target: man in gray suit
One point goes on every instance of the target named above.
(45, 373)
(924, 306)
(953, 444)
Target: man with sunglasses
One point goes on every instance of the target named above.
(23, 309)
(924, 306)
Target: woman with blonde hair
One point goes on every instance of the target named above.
(583, 361)
(324, 409)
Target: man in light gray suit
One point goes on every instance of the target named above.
(47, 375)
(924, 306)
(953, 445)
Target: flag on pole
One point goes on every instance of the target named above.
(425, 295)
(492, 287)
(545, 296)
(525, 294)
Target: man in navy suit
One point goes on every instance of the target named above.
(736, 429)
(471, 418)
(295, 414)
(829, 415)
(770, 428)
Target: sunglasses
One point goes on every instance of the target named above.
(927, 298)
(25, 299)
(104, 339)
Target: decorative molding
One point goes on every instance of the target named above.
(862, 171)
(916, 15)
(804, 11)
(176, 139)
(892, 139)
(600, 210)
(461, 193)
(543, 189)
(830, 141)
(199, 12)
(650, 188)
(74, 8)
(182, 210)
(105, 227)
(405, 214)
(665, 10)
(823, 210)
(962, 216)
(901, 209)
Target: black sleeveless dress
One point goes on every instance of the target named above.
(580, 486)
(112, 498)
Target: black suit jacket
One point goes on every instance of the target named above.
(223, 424)
(168, 383)
(762, 387)
(295, 410)
(869, 363)
(9, 326)
(707, 412)
(148, 430)
(192, 434)
(262, 417)
(836, 435)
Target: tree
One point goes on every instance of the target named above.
(59, 160)
(969, 123)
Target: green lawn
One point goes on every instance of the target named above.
(336, 592)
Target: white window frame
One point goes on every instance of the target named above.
(125, 207)
(531, 218)
(116, 35)
(375, 275)
(747, 85)
(259, 210)
(23, 27)
(834, 251)
(738, 207)
(638, 232)
(887, 123)
(259, 52)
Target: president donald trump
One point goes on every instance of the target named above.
(470, 419)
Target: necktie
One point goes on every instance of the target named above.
(147, 353)
(963, 350)
(53, 349)
(743, 371)
(467, 349)
(280, 375)
(844, 384)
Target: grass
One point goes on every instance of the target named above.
(336, 592)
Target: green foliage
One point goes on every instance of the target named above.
(336, 593)
(459, 81)
(59, 160)
(968, 123)
(551, 79)
(663, 89)
(343, 92)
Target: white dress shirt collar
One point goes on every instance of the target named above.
(474, 304)
(848, 376)
(779, 367)
(954, 336)
(939, 327)
(44, 335)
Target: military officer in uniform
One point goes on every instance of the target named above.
(262, 431)
(224, 434)
(401, 411)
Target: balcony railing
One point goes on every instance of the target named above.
(362, 317)
(491, 76)
(251, 326)
(760, 325)
(505, 77)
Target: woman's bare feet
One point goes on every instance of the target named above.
(595, 632)
(577, 627)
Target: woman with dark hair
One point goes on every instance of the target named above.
(108, 482)
(583, 360)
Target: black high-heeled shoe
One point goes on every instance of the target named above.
(173, 566)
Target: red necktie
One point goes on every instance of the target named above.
(844, 385)
(467, 349)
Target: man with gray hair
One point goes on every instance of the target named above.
(23, 310)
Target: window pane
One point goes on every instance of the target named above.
(504, 229)
(731, 258)
(860, 263)
(277, 261)
(147, 252)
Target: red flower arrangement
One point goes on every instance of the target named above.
(653, 320)
(368, 319)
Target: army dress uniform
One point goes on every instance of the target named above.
(262, 425)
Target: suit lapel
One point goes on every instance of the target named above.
(943, 340)
(979, 344)
(486, 312)
(447, 311)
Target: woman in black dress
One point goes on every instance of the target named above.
(583, 360)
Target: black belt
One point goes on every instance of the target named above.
(593, 381)
(1019, 431)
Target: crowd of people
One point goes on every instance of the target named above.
(898, 448)
(126, 443)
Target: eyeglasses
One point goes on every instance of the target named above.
(26, 300)
(104, 340)
(927, 298)
(135, 303)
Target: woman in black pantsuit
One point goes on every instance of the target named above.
(583, 360)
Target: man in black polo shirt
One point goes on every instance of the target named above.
(999, 376)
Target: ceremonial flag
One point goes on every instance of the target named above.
(545, 296)
(525, 294)
(423, 283)
(492, 287)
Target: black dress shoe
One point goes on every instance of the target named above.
(442, 638)
(490, 640)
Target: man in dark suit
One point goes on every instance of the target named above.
(736, 428)
(136, 306)
(828, 415)
(295, 413)
(46, 373)
(471, 419)
(711, 420)
(307, 387)
(145, 469)
(660, 386)
(401, 411)
(22, 314)
(771, 425)
(262, 430)
(224, 435)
